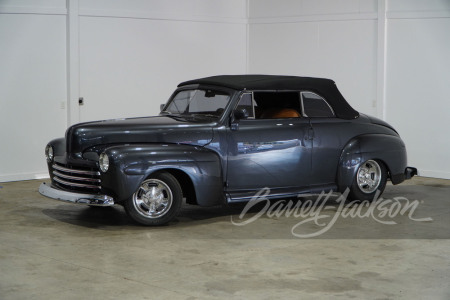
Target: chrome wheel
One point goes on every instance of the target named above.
(153, 199)
(369, 176)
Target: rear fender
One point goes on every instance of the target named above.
(388, 149)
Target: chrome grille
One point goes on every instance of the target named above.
(76, 178)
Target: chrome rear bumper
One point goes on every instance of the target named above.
(78, 198)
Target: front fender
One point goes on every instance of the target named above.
(388, 149)
(132, 164)
(59, 146)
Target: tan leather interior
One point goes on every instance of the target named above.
(279, 113)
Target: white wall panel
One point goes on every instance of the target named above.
(172, 9)
(33, 4)
(229, 8)
(344, 51)
(316, 7)
(291, 8)
(128, 67)
(348, 52)
(417, 5)
(269, 8)
(158, 6)
(418, 90)
(32, 93)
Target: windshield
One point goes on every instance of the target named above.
(198, 102)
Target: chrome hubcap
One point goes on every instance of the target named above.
(369, 176)
(153, 198)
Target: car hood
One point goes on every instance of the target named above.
(161, 129)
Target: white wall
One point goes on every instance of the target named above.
(390, 58)
(418, 81)
(133, 63)
(32, 84)
(332, 39)
(123, 57)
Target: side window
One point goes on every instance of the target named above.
(271, 105)
(316, 106)
(248, 104)
(277, 105)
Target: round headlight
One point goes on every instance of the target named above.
(103, 162)
(49, 153)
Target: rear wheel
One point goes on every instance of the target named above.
(371, 177)
(157, 200)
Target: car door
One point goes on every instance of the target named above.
(267, 152)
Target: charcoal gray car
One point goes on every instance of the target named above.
(220, 140)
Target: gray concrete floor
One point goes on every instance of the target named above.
(54, 250)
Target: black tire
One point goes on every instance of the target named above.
(370, 181)
(157, 201)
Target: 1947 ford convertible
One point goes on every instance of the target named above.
(220, 140)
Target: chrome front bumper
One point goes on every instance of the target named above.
(78, 198)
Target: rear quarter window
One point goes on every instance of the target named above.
(315, 106)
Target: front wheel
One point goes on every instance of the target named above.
(157, 200)
(370, 177)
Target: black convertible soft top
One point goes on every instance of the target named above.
(324, 87)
